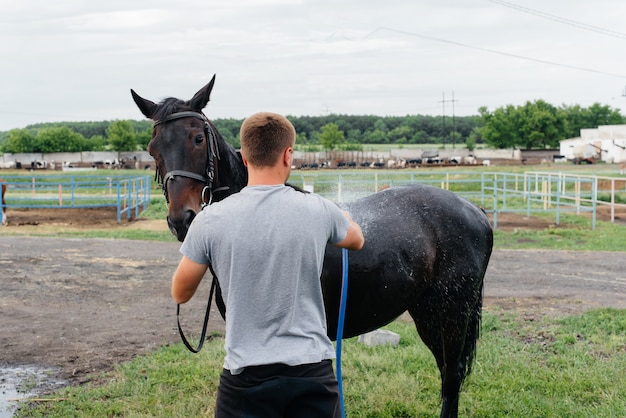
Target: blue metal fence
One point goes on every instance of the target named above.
(530, 192)
(129, 195)
(495, 192)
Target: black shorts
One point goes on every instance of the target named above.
(278, 390)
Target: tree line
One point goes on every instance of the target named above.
(540, 125)
(530, 126)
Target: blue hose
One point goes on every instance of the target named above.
(342, 316)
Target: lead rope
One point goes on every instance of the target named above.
(342, 316)
(206, 319)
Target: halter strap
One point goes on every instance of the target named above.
(180, 115)
(171, 174)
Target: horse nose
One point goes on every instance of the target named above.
(180, 225)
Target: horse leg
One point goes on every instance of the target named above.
(449, 328)
(3, 189)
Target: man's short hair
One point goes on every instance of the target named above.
(264, 136)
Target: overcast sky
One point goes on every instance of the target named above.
(77, 60)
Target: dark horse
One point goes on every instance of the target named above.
(426, 249)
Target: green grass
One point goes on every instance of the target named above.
(105, 233)
(573, 233)
(525, 367)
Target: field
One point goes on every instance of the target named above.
(82, 304)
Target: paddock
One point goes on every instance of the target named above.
(498, 192)
(94, 303)
(89, 304)
(127, 195)
(526, 193)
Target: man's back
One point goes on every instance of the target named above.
(266, 245)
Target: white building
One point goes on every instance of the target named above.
(606, 143)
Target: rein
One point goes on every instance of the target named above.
(208, 180)
(205, 324)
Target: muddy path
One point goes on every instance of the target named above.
(84, 305)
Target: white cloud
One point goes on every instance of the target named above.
(118, 20)
(76, 60)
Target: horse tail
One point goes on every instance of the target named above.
(475, 315)
(473, 333)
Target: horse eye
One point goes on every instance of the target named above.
(199, 139)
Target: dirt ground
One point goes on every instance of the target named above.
(80, 306)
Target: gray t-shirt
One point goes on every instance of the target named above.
(266, 245)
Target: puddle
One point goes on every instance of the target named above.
(21, 382)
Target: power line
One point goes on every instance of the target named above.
(559, 19)
(492, 51)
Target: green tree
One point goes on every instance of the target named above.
(577, 118)
(229, 130)
(375, 137)
(19, 140)
(500, 128)
(59, 139)
(420, 137)
(473, 139)
(95, 143)
(121, 136)
(400, 135)
(540, 125)
(143, 137)
(470, 144)
(301, 139)
(330, 136)
(380, 125)
(354, 136)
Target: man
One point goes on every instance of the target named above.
(266, 245)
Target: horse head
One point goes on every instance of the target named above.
(189, 154)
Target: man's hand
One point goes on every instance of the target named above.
(354, 239)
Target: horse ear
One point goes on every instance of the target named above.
(147, 107)
(201, 98)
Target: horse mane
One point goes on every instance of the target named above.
(170, 105)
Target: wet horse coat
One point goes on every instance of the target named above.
(426, 249)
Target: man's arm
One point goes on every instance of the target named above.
(354, 239)
(186, 279)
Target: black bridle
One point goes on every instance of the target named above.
(208, 178)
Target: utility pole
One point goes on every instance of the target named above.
(453, 125)
(444, 101)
